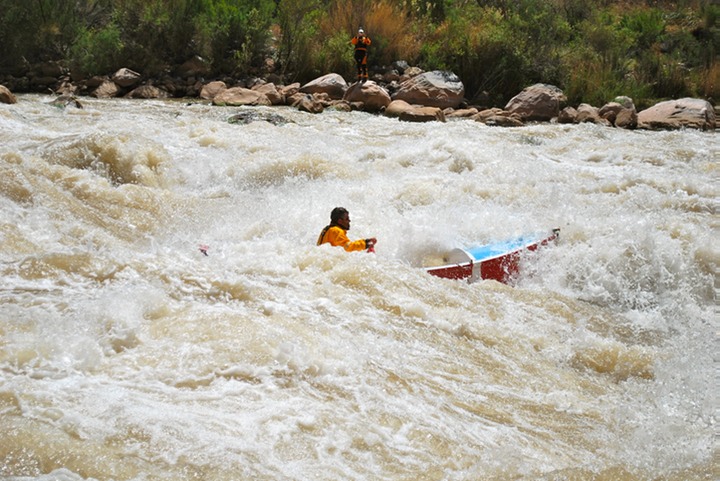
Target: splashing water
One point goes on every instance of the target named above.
(165, 313)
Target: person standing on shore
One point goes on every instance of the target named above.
(361, 43)
(336, 233)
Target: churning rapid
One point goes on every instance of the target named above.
(127, 354)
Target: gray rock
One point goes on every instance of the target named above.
(373, 97)
(538, 102)
(439, 88)
(6, 96)
(423, 114)
(676, 114)
(126, 77)
(250, 116)
(237, 96)
(331, 84)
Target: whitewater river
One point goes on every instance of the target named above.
(127, 354)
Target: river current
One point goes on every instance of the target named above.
(128, 354)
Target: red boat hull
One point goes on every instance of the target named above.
(499, 262)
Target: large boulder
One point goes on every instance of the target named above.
(620, 112)
(147, 92)
(126, 77)
(210, 90)
(344, 106)
(568, 115)
(498, 118)
(290, 90)
(586, 113)
(433, 89)
(373, 97)
(675, 114)
(538, 102)
(271, 92)
(237, 96)
(485, 114)
(96, 80)
(397, 107)
(423, 114)
(107, 89)
(6, 96)
(503, 121)
(610, 110)
(308, 103)
(461, 113)
(626, 119)
(331, 84)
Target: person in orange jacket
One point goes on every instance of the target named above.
(361, 43)
(336, 233)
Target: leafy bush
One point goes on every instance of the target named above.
(335, 56)
(153, 33)
(240, 33)
(298, 27)
(38, 31)
(591, 79)
(644, 26)
(96, 52)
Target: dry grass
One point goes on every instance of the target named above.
(387, 25)
(711, 85)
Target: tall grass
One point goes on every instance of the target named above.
(386, 23)
(710, 81)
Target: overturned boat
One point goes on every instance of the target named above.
(498, 261)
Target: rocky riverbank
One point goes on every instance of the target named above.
(399, 91)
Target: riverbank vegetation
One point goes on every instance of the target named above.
(593, 49)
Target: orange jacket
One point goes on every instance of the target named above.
(337, 236)
(361, 43)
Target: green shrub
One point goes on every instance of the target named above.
(96, 52)
(38, 31)
(644, 26)
(335, 56)
(298, 22)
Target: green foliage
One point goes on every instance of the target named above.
(335, 55)
(236, 32)
(480, 49)
(627, 55)
(298, 25)
(593, 80)
(96, 52)
(592, 49)
(151, 33)
(541, 33)
(39, 30)
(435, 10)
(643, 26)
